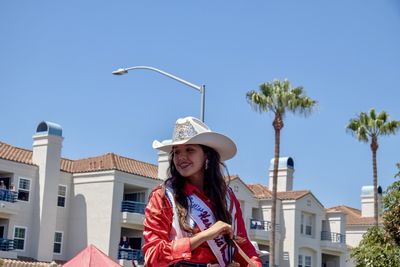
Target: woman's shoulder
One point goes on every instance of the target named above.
(158, 204)
(158, 191)
(158, 196)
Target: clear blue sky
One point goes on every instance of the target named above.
(56, 59)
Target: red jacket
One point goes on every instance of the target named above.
(160, 251)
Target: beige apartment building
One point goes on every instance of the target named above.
(51, 207)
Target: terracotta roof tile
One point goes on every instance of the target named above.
(109, 161)
(67, 165)
(93, 164)
(17, 154)
(231, 177)
(261, 191)
(22, 263)
(353, 215)
(136, 167)
(293, 194)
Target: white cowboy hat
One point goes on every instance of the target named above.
(190, 130)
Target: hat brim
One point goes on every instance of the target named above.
(219, 142)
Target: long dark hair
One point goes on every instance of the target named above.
(215, 188)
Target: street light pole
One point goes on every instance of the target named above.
(201, 89)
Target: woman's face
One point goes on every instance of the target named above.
(189, 160)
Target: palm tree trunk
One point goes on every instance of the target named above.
(374, 148)
(278, 125)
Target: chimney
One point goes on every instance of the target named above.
(47, 143)
(367, 201)
(285, 174)
(163, 162)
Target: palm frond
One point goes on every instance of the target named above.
(357, 129)
(384, 116)
(257, 101)
(372, 125)
(372, 114)
(279, 97)
(362, 134)
(390, 127)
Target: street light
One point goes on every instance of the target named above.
(201, 89)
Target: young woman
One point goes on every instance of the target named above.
(194, 218)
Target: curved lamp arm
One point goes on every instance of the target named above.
(201, 88)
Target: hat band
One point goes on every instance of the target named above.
(184, 131)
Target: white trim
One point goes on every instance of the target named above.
(95, 173)
(65, 197)
(25, 238)
(61, 243)
(29, 191)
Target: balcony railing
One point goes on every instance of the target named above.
(8, 195)
(133, 206)
(131, 254)
(333, 237)
(262, 225)
(6, 244)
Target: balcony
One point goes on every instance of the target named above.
(333, 237)
(7, 244)
(262, 225)
(8, 195)
(133, 206)
(131, 254)
(133, 214)
(333, 241)
(260, 230)
(8, 205)
(7, 248)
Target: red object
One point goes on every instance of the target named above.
(160, 251)
(91, 257)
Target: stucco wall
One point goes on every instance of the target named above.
(91, 211)
(24, 209)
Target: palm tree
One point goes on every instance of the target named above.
(278, 97)
(369, 126)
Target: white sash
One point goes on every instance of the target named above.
(202, 215)
(204, 218)
(176, 231)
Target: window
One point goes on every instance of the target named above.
(306, 224)
(302, 225)
(300, 261)
(137, 196)
(19, 237)
(57, 242)
(307, 261)
(62, 192)
(309, 225)
(24, 187)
